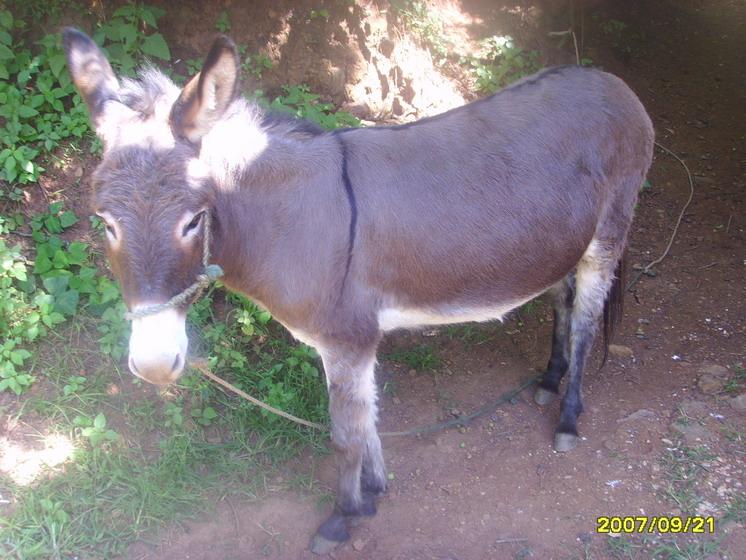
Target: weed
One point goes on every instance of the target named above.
(669, 547)
(682, 467)
(124, 39)
(500, 63)
(223, 23)
(419, 18)
(95, 429)
(74, 384)
(299, 101)
(736, 509)
(38, 103)
(421, 358)
(734, 385)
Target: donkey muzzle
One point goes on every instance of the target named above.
(158, 346)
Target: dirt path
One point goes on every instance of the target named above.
(497, 489)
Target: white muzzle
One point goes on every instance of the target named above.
(158, 346)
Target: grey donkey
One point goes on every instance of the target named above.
(348, 234)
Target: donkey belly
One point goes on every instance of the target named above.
(391, 318)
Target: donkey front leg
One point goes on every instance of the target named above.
(362, 474)
(595, 273)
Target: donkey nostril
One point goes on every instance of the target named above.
(177, 363)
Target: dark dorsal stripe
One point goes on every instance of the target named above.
(353, 208)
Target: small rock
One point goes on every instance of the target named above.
(396, 400)
(709, 384)
(642, 414)
(738, 403)
(692, 433)
(358, 544)
(693, 409)
(715, 370)
(619, 351)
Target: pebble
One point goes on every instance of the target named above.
(738, 403)
(692, 433)
(358, 544)
(709, 384)
(715, 370)
(642, 414)
(620, 351)
(693, 409)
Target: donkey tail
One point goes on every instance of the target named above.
(614, 305)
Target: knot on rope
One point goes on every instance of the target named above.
(213, 272)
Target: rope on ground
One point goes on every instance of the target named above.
(463, 421)
(649, 266)
(202, 366)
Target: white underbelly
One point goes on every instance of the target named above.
(390, 318)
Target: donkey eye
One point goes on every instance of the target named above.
(194, 224)
(110, 229)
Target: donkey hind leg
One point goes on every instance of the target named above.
(362, 474)
(562, 293)
(593, 279)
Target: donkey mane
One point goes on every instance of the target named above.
(144, 93)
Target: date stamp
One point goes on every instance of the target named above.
(655, 524)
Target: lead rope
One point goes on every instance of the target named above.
(211, 272)
(462, 421)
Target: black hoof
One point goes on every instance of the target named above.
(368, 505)
(564, 442)
(330, 534)
(544, 396)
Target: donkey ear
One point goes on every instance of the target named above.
(207, 96)
(90, 71)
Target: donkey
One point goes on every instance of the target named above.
(348, 234)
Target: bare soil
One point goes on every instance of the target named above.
(497, 489)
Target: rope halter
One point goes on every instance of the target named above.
(210, 273)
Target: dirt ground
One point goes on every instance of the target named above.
(497, 489)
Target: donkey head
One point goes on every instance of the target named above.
(148, 190)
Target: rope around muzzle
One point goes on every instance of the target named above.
(211, 272)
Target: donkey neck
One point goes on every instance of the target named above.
(282, 220)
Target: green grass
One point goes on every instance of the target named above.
(421, 358)
(669, 547)
(684, 470)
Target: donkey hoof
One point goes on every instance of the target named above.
(322, 546)
(330, 534)
(544, 396)
(564, 442)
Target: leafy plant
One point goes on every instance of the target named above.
(204, 416)
(174, 414)
(500, 63)
(38, 103)
(299, 101)
(74, 384)
(124, 37)
(95, 430)
(223, 23)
